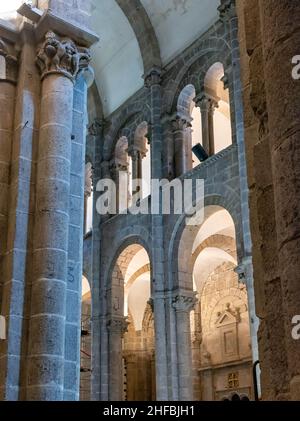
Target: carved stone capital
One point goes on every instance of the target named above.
(184, 303)
(179, 123)
(118, 325)
(206, 102)
(136, 153)
(8, 63)
(227, 10)
(61, 56)
(153, 77)
(95, 128)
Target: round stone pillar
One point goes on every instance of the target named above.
(117, 326)
(179, 127)
(153, 83)
(281, 41)
(207, 107)
(183, 305)
(59, 62)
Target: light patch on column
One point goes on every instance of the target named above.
(2, 68)
(2, 328)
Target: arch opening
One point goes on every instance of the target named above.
(133, 372)
(220, 325)
(85, 342)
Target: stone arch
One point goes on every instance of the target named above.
(185, 103)
(220, 241)
(117, 322)
(124, 123)
(144, 32)
(121, 152)
(192, 69)
(135, 235)
(180, 272)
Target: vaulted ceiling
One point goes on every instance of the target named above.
(135, 34)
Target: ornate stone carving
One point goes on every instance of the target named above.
(95, 128)
(184, 303)
(61, 56)
(227, 9)
(153, 77)
(206, 102)
(179, 123)
(8, 63)
(118, 325)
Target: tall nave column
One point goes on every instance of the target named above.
(117, 327)
(10, 284)
(153, 83)
(281, 41)
(60, 62)
(183, 305)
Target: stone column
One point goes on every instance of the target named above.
(117, 326)
(281, 40)
(137, 173)
(8, 76)
(88, 185)
(228, 15)
(95, 131)
(183, 304)
(130, 360)
(213, 104)
(179, 127)
(116, 169)
(75, 238)
(13, 218)
(59, 62)
(233, 80)
(168, 145)
(153, 82)
(207, 107)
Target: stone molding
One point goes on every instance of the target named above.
(61, 56)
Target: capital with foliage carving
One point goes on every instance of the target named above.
(227, 10)
(184, 303)
(61, 56)
(118, 325)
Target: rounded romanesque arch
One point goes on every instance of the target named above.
(125, 123)
(181, 262)
(193, 68)
(128, 291)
